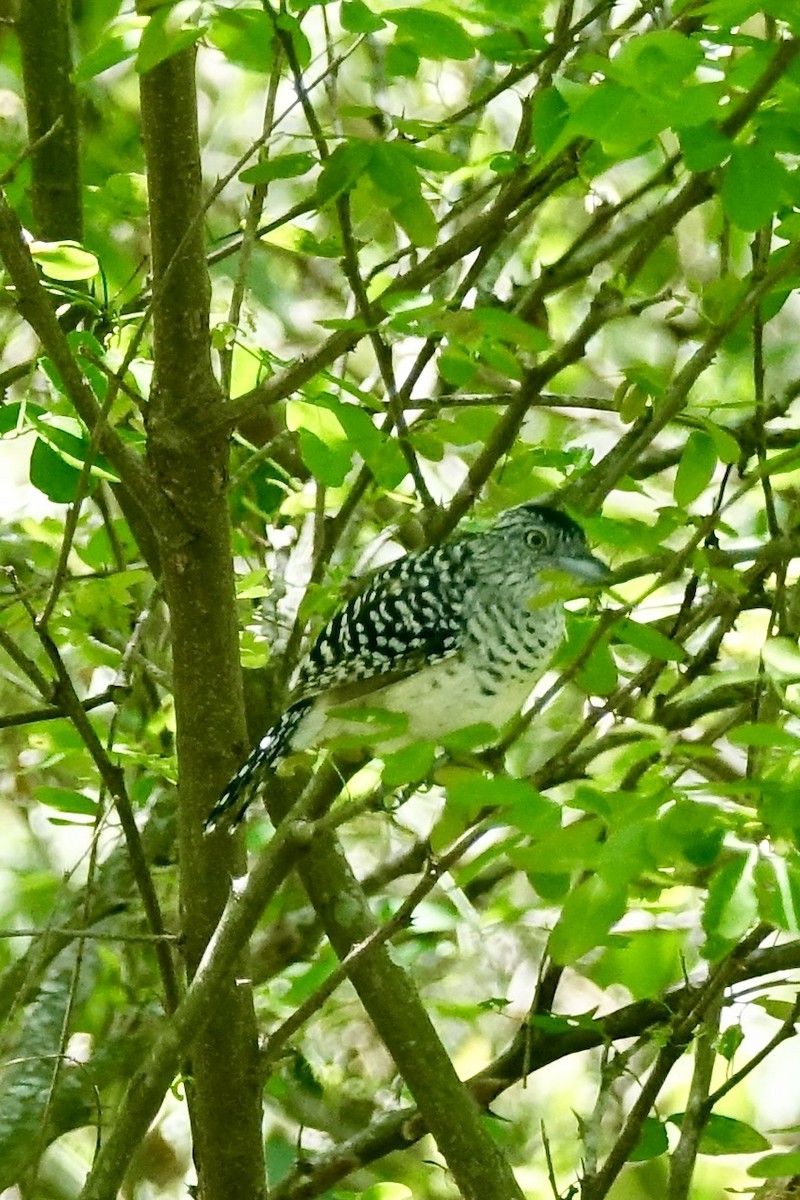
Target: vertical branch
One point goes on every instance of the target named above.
(190, 467)
(50, 100)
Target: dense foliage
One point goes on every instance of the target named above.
(441, 259)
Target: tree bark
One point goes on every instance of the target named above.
(190, 469)
(52, 109)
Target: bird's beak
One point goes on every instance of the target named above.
(585, 566)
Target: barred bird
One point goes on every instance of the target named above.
(452, 636)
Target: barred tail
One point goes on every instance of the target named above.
(251, 777)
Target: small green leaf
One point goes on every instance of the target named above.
(66, 800)
(773, 1166)
(357, 18)
(475, 792)
(387, 1191)
(432, 34)
(652, 1142)
(729, 1042)
(588, 914)
(505, 162)
(393, 172)
(48, 472)
(781, 657)
(168, 31)
(704, 147)
(110, 52)
(508, 327)
(754, 734)
(283, 166)
(781, 1010)
(778, 888)
(245, 36)
(726, 1135)
(751, 189)
(342, 170)
(401, 59)
(650, 641)
(380, 452)
(67, 261)
(573, 848)
(731, 905)
(645, 961)
(409, 765)
(696, 468)
(368, 726)
(415, 218)
(550, 115)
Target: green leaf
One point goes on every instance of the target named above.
(656, 63)
(66, 261)
(649, 640)
(508, 327)
(393, 173)
(300, 43)
(342, 170)
(387, 1191)
(646, 962)
(283, 166)
(66, 800)
(430, 160)
(589, 911)
(550, 116)
(731, 905)
(652, 1142)
(432, 34)
(752, 187)
(704, 147)
(456, 367)
(780, 1010)
(369, 725)
(401, 59)
(475, 792)
(598, 673)
(48, 472)
(696, 468)
(726, 1135)
(778, 888)
(324, 446)
(410, 765)
(755, 734)
(357, 18)
(773, 1166)
(380, 452)
(729, 1042)
(600, 111)
(781, 657)
(168, 31)
(574, 848)
(415, 218)
(245, 36)
(110, 52)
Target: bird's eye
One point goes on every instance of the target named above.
(536, 539)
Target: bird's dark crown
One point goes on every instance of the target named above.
(552, 519)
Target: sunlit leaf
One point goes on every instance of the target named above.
(697, 466)
(67, 261)
(431, 33)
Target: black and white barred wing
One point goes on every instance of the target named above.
(409, 614)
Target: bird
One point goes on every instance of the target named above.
(451, 636)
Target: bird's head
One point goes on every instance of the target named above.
(548, 544)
